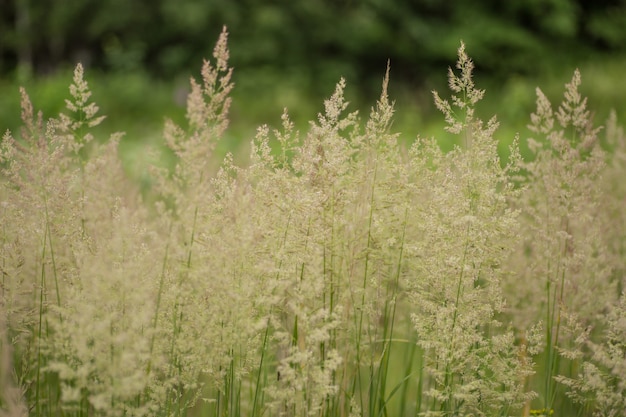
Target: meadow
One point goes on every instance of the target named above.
(336, 272)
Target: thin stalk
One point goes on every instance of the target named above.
(218, 402)
(176, 319)
(557, 359)
(365, 272)
(420, 384)
(389, 326)
(258, 379)
(193, 234)
(40, 328)
(157, 308)
(231, 384)
(408, 359)
(403, 382)
(177, 314)
(549, 348)
(257, 389)
(52, 257)
(329, 265)
(449, 378)
(550, 313)
(47, 240)
(555, 300)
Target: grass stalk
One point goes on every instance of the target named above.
(42, 284)
(358, 376)
(388, 327)
(257, 388)
(157, 307)
(47, 247)
(52, 257)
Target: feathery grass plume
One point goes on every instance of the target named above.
(381, 311)
(562, 254)
(334, 275)
(600, 384)
(98, 344)
(614, 193)
(37, 241)
(99, 341)
(338, 266)
(11, 393)
(74, 129)
(298, 197)
(197, 318)
(465, 230)
(597, 382)
(70, 305)
(465, 101)
(320, 269)
(211, 311)
(208, 104)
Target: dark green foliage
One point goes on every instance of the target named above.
(319, 41)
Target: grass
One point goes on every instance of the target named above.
(122, 96)
(339, 271)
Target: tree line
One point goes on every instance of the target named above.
(353, 37)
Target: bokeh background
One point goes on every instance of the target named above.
(139, 55)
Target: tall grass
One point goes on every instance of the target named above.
(335, 274)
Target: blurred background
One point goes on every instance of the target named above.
(139, 55)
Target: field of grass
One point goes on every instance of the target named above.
(339, 270)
